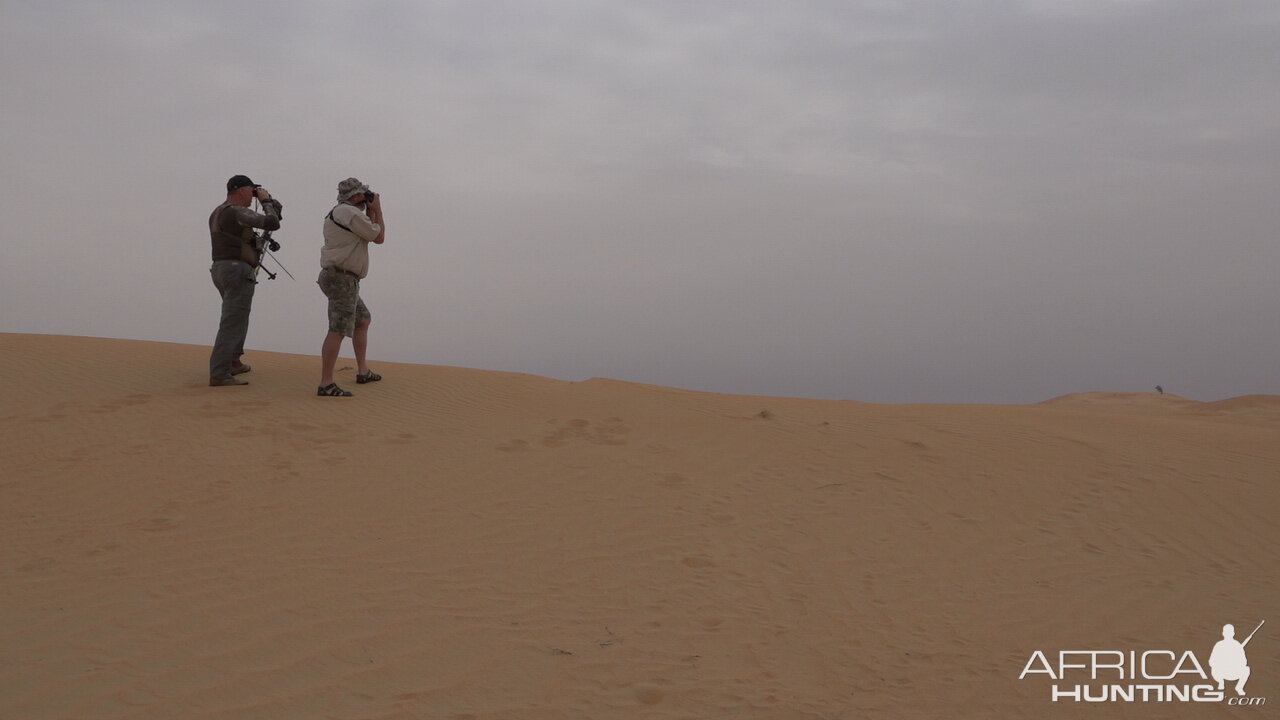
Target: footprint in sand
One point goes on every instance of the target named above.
(609, 432)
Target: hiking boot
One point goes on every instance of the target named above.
(226, 382)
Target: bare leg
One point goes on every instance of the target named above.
(329, 357)
(360, 339)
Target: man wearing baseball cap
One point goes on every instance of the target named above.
(235, 258)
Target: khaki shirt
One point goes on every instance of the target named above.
(348, 249)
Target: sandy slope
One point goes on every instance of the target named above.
(463, 544)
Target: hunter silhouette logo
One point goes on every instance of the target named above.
(1149, 675)
(1228, 661)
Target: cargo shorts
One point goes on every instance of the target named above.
(346, 309)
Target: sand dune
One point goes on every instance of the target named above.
(1246, 405)
(462, 544)
(1126, 400)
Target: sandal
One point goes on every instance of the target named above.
(332, 390)
(368, 377)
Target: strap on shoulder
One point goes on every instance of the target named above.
(335, 221)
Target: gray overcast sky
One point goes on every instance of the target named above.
(950, 201)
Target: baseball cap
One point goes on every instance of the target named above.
(238, 181)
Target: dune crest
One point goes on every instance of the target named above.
(1115, 399)
(1247, 405)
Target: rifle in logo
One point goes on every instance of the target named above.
(1255, 632)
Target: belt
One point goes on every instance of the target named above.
(344, 272)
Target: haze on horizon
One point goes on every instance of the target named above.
(976, 201)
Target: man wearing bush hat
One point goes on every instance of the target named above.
(349, 227)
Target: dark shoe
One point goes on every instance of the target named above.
(226, 382)
(332, 390)
(368, 377)
(239, 368)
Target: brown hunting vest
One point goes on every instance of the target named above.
(231, 240)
